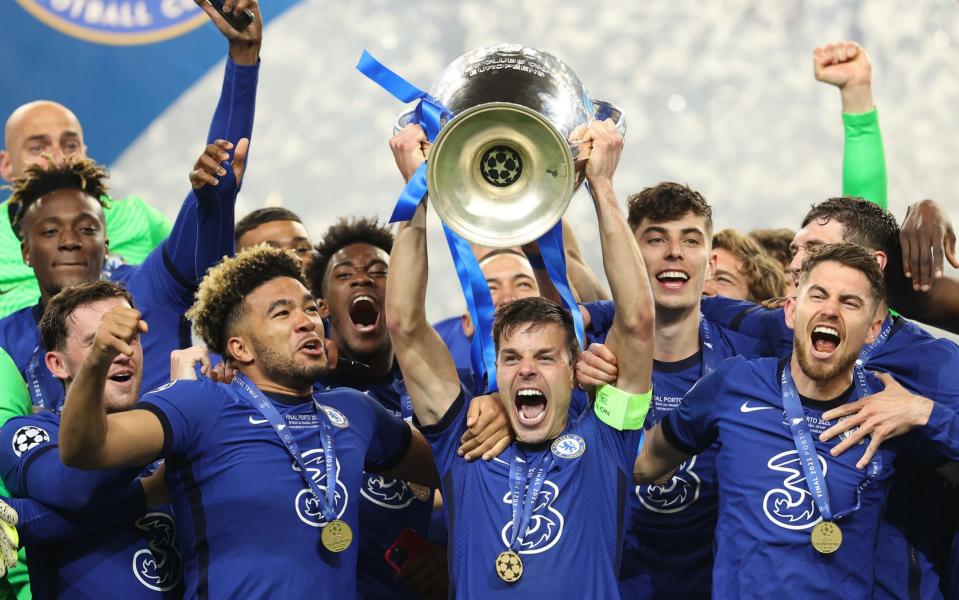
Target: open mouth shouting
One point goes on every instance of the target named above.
(311, 346)
(530, 406)
(121, 376)
(825, 341)
(364, 313)
(672, 279)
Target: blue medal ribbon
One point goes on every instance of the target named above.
(710, 353)
(806, 448)
(41, 384)
(522, 496)
(868, 349)
(327, 501)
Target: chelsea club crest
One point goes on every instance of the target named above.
(568, 446)
(118, 22)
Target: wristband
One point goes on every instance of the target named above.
(536, 261)
(621, 410)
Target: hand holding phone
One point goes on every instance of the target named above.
(407, 546)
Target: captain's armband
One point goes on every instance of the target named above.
(620, 410)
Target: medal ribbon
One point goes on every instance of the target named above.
(711, 355)
(521, 494)
(259, 401)
(806, 448)
(868, 349)
(40, 379)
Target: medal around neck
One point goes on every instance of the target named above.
(826, 537)
(336, 536)
(509, 566)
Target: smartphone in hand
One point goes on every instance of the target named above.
(238, 21)
(408, 545)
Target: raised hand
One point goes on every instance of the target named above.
(926, 237)
(119, 330)
(487, 429)
(846, 65)
(606, 147)
(409, 147)
(208, 168)
(244, 45)
(596, 366)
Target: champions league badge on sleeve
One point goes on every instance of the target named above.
(118, 22)
(29, 437)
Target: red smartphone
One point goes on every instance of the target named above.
(408, 545)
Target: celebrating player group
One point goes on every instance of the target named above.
(241, 408)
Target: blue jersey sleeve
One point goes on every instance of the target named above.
(444, 436)
(32, 468)
(41, 524)
(187, 410)
(390, 442)
(692, 427)
(601, 314)
(203, 231)
(746, 318)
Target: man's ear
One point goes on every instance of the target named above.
(882, 258)
(467, 322)
(711, 268)
(324, 308)
(239, 350)
(56, 363)
(6, 167)
(875, 327)
(24, 251)
(789, 311)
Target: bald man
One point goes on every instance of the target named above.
(44, 128)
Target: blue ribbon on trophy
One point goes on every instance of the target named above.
(503, 171)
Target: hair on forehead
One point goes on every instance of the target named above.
(863, 222)
(848, 255)
(221, 295)
(262, 216)
(346, 232)
(73, 173)
(54, 324)
(531, 314)
(765, 278)
(668, 201)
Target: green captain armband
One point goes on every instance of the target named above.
(620, 410)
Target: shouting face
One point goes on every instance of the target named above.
(354, 288)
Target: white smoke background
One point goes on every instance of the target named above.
(718, 95)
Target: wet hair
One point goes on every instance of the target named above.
(849, 255)
(73, 173)
(667, 201)
(345, 232)
(531, 314)
(765, 278)
(221, 295)
(259, 217)
(54, 323)
(775, 242)
(863, 223)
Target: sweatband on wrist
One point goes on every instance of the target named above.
(621, 410)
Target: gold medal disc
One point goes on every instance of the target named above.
(509, 566)
(420, 492)
(826, 537)
(336, 536)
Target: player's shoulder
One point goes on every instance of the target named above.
(346, 403)
(188, 390)
(17, 321)
(906, 334)
(20, 435)
(738, 344)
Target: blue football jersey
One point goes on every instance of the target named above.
(249, 526)
(910, 558)
(388, 506)
(766, 512)
(572, 544)
(135, 557)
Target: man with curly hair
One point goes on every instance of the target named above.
(743, 270)
(265, 451)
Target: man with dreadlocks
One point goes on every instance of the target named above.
(59, 220)
(264, 451)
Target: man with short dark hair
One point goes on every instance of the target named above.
(545, 518)
(265, 446)
(278, 227)
(790, 503)
(134, 557)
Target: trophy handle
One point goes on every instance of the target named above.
(403, 120)
(601, 111)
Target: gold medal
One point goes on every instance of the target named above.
(826, 537)
(509, 566)
(420, 492)
(336, 536)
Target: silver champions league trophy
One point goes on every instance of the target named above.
(502, 170)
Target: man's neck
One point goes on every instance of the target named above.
(268, 386)
(677, 333)
(819, 390)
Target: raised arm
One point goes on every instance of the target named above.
(89, 437)
(657, 458)
(846, 65)
(631, 334)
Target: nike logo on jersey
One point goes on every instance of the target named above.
(745, 408)
(257, 421)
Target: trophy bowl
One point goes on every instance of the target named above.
(502, 170)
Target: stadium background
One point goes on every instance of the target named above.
(717, 95)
